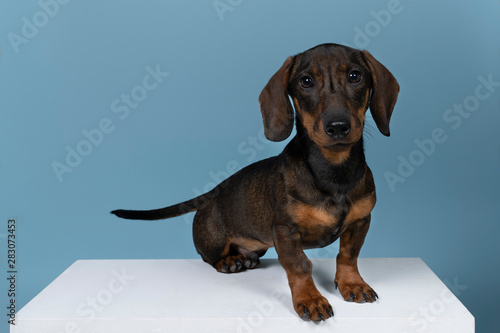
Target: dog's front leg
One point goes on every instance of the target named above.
(351, 285)
(307, 300)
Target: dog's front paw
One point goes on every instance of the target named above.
(356, 291)
(311, 307)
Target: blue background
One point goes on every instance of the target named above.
(65, 77)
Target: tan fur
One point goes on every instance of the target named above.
(246, 245)
(310, 217)
(361, 208)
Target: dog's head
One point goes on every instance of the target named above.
(331, 86)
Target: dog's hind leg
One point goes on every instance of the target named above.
(212, 242)
(226, 253)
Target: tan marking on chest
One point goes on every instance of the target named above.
(309, 216)
(361, 208)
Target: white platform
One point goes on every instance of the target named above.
(160, 296)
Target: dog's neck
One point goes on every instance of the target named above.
(331, 178)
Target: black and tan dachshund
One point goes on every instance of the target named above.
(317, 190)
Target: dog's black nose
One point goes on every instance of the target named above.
(338, 129)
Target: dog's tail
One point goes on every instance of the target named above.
(162, 213)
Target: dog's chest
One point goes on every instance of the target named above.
(321, 224)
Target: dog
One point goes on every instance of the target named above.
(317, 190)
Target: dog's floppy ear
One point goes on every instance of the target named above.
(385, 90)
(276, 109)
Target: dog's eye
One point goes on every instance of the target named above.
(306, 82)
(354, 76)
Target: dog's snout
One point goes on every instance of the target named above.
(338, 129)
